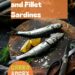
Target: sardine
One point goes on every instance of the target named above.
(4, 4)
(2, 68)
(40, 31)
(42, 47)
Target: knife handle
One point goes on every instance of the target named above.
(63, 68)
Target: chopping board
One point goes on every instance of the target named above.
(40, 64)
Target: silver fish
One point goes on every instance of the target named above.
(4, 4)
(40, 31)
(3, 68)
(44, 46)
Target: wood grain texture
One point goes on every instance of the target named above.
(16, 42)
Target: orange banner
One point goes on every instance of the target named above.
(26, 9)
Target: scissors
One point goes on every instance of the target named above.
(63, 62)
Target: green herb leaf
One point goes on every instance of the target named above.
(29, 60)
(4, 55)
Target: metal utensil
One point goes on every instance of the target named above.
(71, 52)
(65, 60)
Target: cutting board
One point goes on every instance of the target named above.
(40, 64)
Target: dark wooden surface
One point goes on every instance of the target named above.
(5, 26)
(16, 42)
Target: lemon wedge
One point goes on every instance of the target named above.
(26, 46)
(35, 41)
